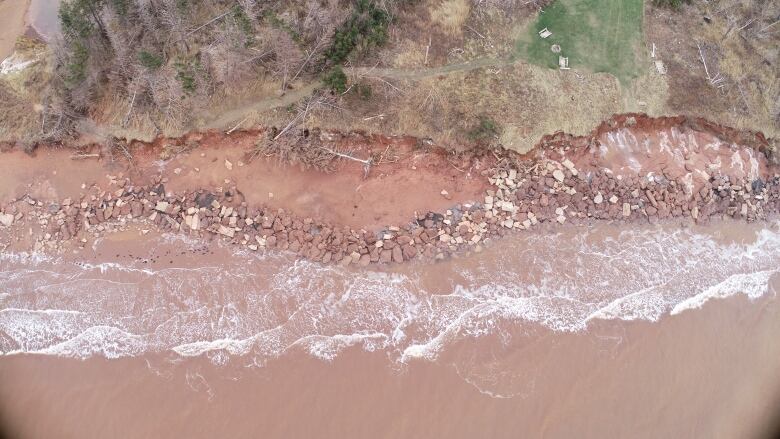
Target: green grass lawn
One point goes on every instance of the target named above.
(596, 35)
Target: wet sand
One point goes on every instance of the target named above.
(710, 373)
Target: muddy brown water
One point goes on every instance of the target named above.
(643, 332)
(43, 16)
(601, 331)
(12, 24)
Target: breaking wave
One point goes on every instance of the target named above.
(257, 307)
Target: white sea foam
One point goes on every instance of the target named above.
(753, 285)
(235, 347)
(27, 258)
(106, 341)
(561, 281)
(328, 347)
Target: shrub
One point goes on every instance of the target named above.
(278, 23)
(485, 130)
(365, 91)
(674, 4)
(78, 23)
(75, 20)
(366, 26)
(185, 73)
(120, 6)
(336, 80)
(150, 60)
(244, 23)
(76, 63)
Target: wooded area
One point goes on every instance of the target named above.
(165, 57)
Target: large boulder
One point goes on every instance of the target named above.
(6, 219)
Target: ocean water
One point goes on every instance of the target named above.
(254, 308)
(43, 16)
(590, 332)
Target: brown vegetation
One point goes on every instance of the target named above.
(132, 63)
(724, 65)
(444, 67)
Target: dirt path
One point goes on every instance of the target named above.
(229, 118)
(233, 116)
(416, 74)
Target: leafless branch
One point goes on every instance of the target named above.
(473, 30)
(427, 49)
(346, 156)
(130, 111)
(301, 115)
(391, 85)
(218, 17)
(311, 53)
(230, 131)
(84, 156)
(715, 81)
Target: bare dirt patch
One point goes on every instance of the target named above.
(410, 180)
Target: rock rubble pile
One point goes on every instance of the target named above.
(519, 199)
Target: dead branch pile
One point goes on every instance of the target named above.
(296, 150)
(306, 150)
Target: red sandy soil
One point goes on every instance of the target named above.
(408, 180)
(411, 181)
(391, 194)
(671, 146)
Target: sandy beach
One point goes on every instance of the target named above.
(12, 24)
(513, 269)
(389, 199)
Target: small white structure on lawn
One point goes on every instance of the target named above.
(660, 67)
(544, 33)
(563, 63)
